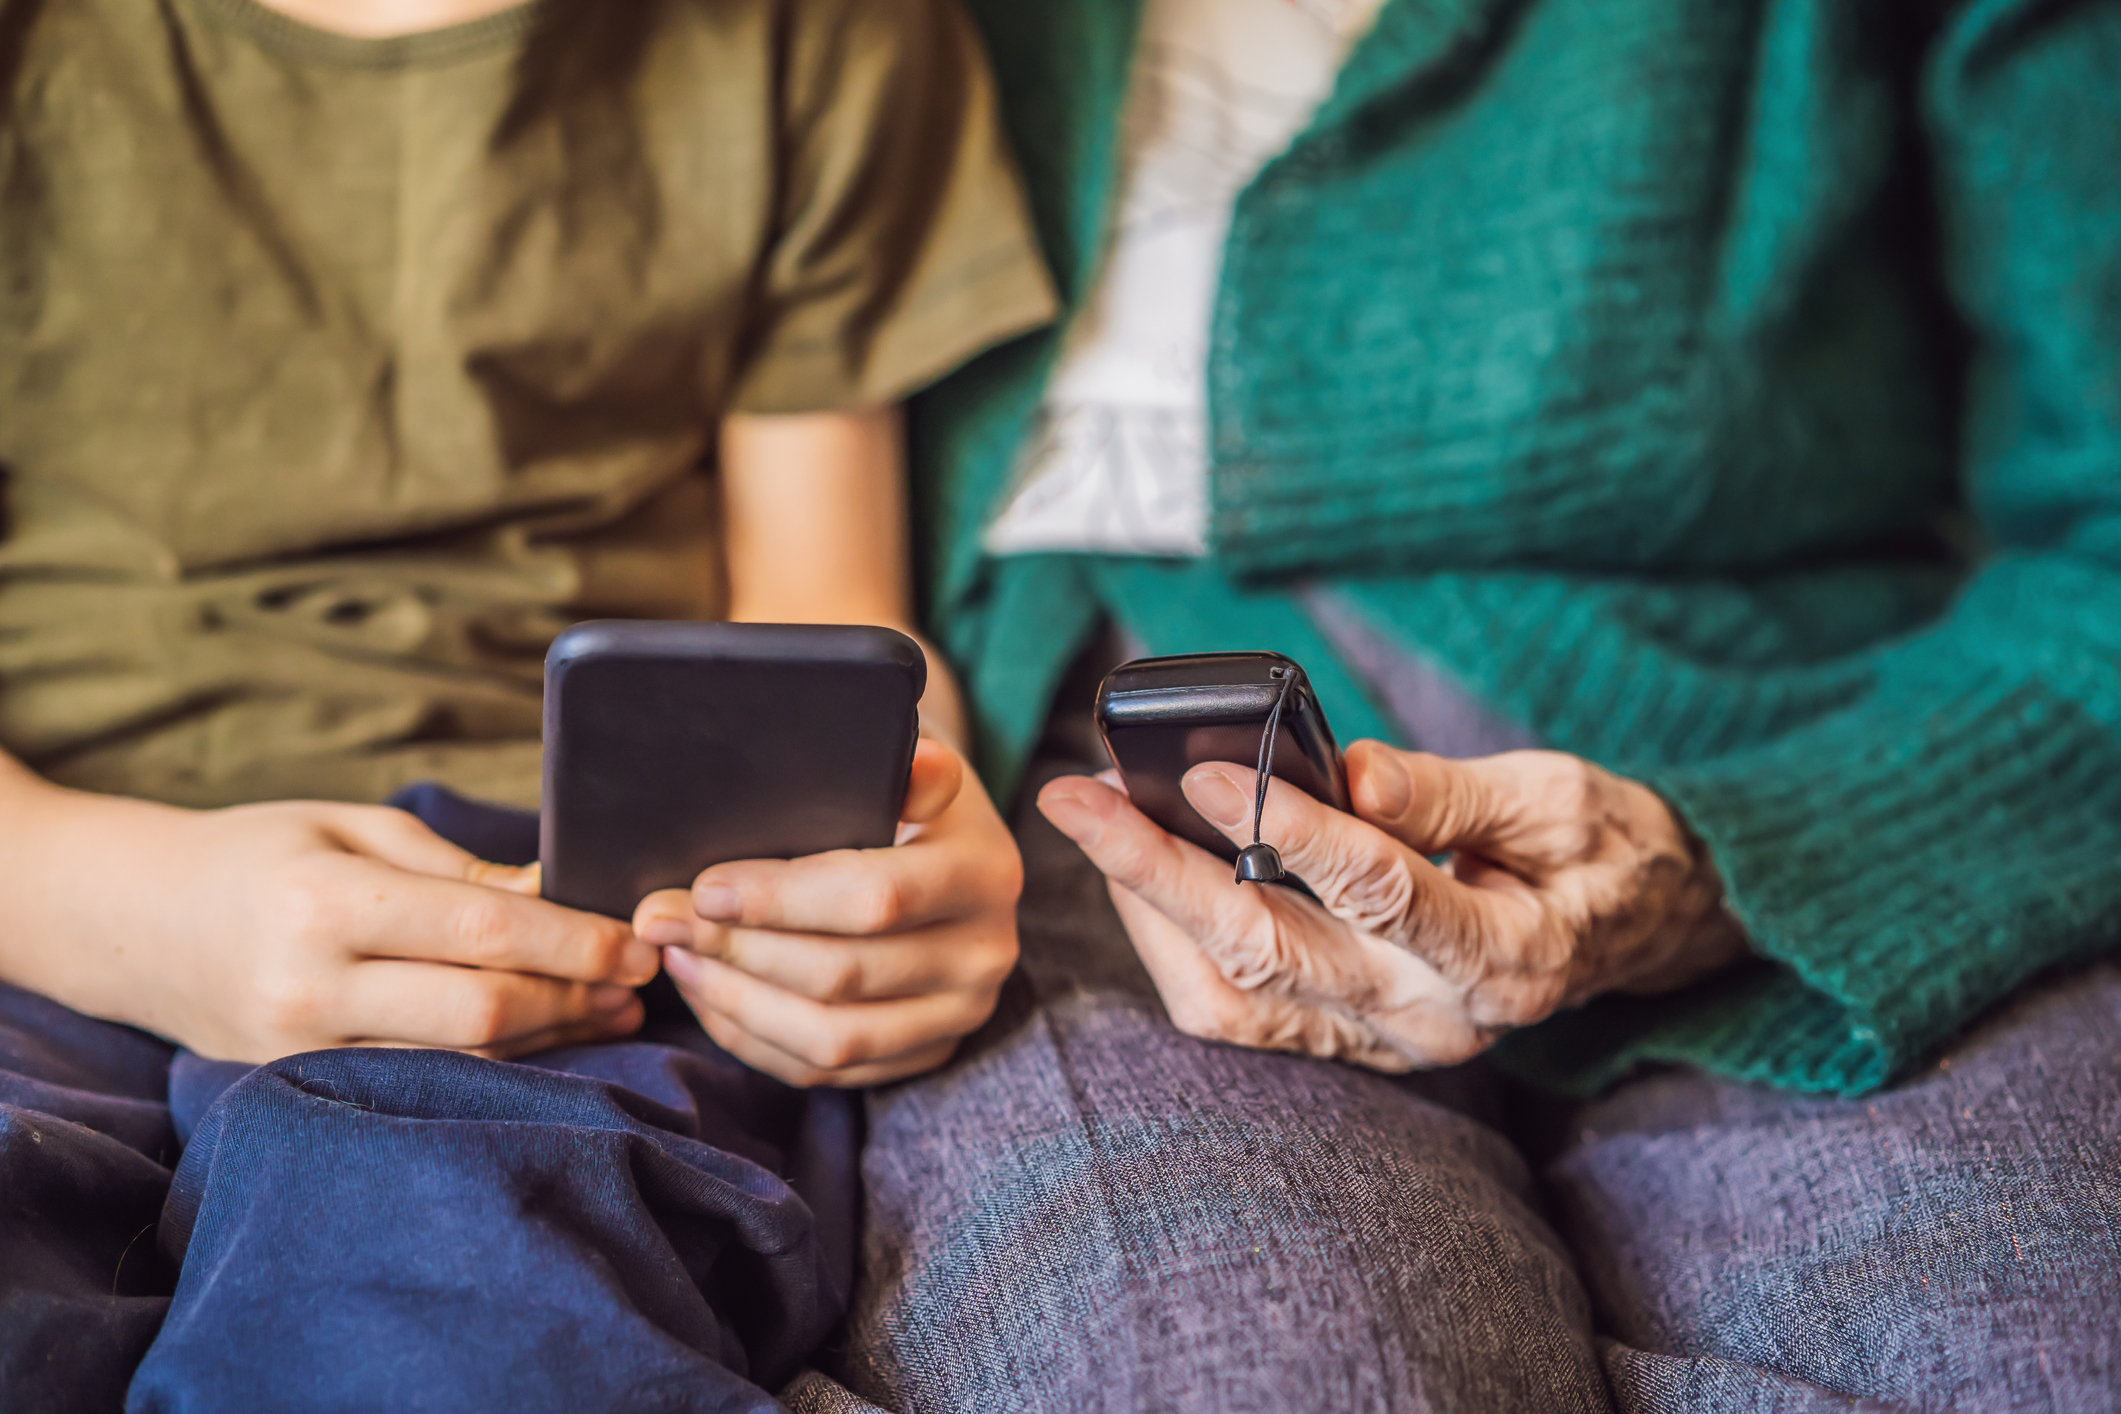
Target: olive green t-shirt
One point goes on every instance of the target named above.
(337, 375)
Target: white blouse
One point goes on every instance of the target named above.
(1117, 461)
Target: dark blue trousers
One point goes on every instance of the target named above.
(646, 1225)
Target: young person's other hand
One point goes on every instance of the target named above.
(262, 930)
(856, 966)
(1565, 881)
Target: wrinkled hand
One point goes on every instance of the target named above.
(1564, 881)
(856, 966)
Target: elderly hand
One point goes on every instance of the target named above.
(860, 965)
(1564, 881)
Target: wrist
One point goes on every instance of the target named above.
(70, 864)
(1710, 935)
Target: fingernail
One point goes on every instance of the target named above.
(666, 932)
(682, 966)
(1070, 814)
(638, 960)
(1217, 797)
(1391, 788)
(609, 996)
(718, 903)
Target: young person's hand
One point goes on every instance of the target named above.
(262, 930)
(856, 966)
(1564, 881)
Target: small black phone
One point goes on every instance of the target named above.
(1161, 717)
(670, 747)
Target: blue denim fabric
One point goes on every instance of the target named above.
(85, 1145)
(646, 1225)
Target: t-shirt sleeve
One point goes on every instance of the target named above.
(903, 245)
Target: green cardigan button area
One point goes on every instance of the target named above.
(1639, 364)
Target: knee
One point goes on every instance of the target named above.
(1175, 1225)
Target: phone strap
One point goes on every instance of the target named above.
(1258, 862)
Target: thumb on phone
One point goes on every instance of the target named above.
(938, 775)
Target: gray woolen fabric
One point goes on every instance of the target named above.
(1090, 1212)
(1953, 1243)
(1087, 1211)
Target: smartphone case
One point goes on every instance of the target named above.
(1160, 717)
(670, 747)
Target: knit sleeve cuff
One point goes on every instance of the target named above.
(1898, 867)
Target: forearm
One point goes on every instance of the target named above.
(68, 860)
(814, 510)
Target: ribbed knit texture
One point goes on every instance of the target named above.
(1728, 393)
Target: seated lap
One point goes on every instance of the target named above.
(1085, 1211)
(1951, 1243)
(1090, 1211)
(641, 1224)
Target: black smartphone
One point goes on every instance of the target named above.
(1161, 717)
(673, 746)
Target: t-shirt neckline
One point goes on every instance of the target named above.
(499, 31)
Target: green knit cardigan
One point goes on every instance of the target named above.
(1727, 392)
